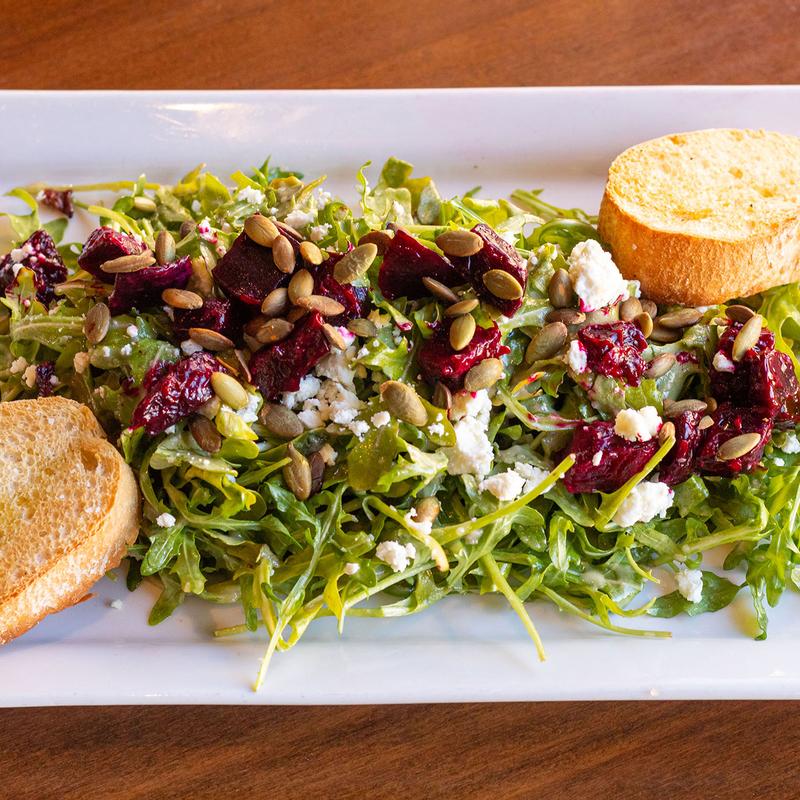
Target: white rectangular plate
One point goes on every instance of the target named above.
(463, 649)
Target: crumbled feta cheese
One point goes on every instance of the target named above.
(472, 453)
(204, 231)
(318, 232)
(18, 254)
(196, 207)
(723, 364)
(299, 219)
(395, 554)
(311, 418)
(15, 268)
(126, 350)
(165, 520)
(597, 458)
(595, 277)
(189, 346)
(646, 500)
(18, 365)
(29, 376)
(790, 444)
(350, 568)
(690, 584)
(333, 403)
(359, 428)
(505, 486)
(309, 386)
(80, 362)
(576, 357)
(779, 462)
(323, 198)
(54, 380)
(436, 429)
(249, 194)
(381, 418)
(637, 425)
(336, 366)
(424, 527)
(472, 404)
(250, 412)
(115, 604)
(132, 331)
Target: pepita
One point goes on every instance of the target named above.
(682, 318)
(334, 337)
(261, 230)
(459, 243)
(663, 335)
(674, 408)
(629, 309)
(280, 421)
(645, 324)
(427, 509)
(738, 446)
(439, 290)
(165, 248)
(705, 422)
(145, 204)
(660, 365)
(311, 253)
(461, 332)
(229, 390)
(354, 265)
(132, 263)
(747, 338)
(96, 323)
(712, 404)
(666, 431)
(560, 290)
(502, 284)
(209, 339)
(362, 327)
(272, 330)
(205, 433)
(316, 464)
(569, 316)
(295, 314)
(181, 298)
(326, 306)
(442, 397)
(739, 313)
(548, 342)
(187, 227)
(242, 358)
(461, 307)
(649, 307)
(297, 474)
(483, 375)
(201, 280)
(276, 302)
(301, 285)
(210, 408)
(283, 254)
(381, 240)
(402, 401)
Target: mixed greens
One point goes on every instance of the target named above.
(395, 472)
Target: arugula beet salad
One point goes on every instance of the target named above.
(337, 411)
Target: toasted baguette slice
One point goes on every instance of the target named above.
(69, 508)
(703, 217)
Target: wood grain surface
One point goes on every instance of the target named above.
(695, 751)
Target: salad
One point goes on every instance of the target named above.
(358, 412)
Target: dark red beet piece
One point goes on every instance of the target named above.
(353, 298)
(620, 461)
(175, 391)
(104, 245)
(216, 315)
(496, 253)
(280, 367)
(439, 362)
(44, 372)
(247, 272)
(144, 288)
(678, 464)
(614, 349)
(59, 200)
(406, 262)
(42, 257)
(730, 421)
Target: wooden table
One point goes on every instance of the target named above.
(576, 750)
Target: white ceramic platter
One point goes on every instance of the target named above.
(559, 139)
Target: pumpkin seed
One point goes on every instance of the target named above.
(362, 327)
(649, 307)
(297, 474)
(326, 306)
(712, 404)
(242, 357)
(145, 204)
(301, 285)
(276, 302)
(461, 332)
(205, 433)
(682, 318)
(280, 421)
(738, 446)
(502, 284)
(442, 397)
(660, 365)
(316, 464)
(181, 298)
(738, 313)
(663, 335)
(95, 325)
(705, 422)
(132, 263)
(674, 408)
(295, 314)
(165, 248)
(381, 240)
(229, 390)
(427, 509)
(559, 290)
(461, 307)
(261, 230)
(253, 345)
(439, 290)
(645, 324)
(602, 316)
(273, 330)
(187, 227)
(201, 280)
(354, 265)
(283, 254)
(549, 341)
(284, 228)
(483, 375)
(311, 253)
(210, 408)
(569, 316)
(747, 338)
(666, 431)
(629, 309)
(334, 337)
(402, 401)
(459, 243)
(209, 339)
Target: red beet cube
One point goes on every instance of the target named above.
(105, 244)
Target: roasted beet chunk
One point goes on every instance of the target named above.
(104, 245)
(439, 362)
(496, 253)
(603, 460)
(143, 288)
(615, 349)
(58, 199)
(247, 272)
(45, 378)
(730, 421)
(678, 464)
(353, 298)
(38, 254)
(216, 315)
(174, 391)
(406, 262)
(280, 367)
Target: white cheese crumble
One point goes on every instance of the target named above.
(29, 376)
(350, 568)
(472, 453)
(723, 364)
(165, 520)
(424, 527)
(436, 429)
(576, 357)
(299, 219)
(647, 500)
(126, 350)
(595, 277)
(791, 444)
(323, 197)
(380, 419)
(18, 254)
(318, 232)
(132, 331)
(637, 425)
(509, 485)
(309, 386)
(250, 412)
(80, 362)
(396, 555)
(18, 365)
(690, 584)
(250, 195)
(189, 346)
